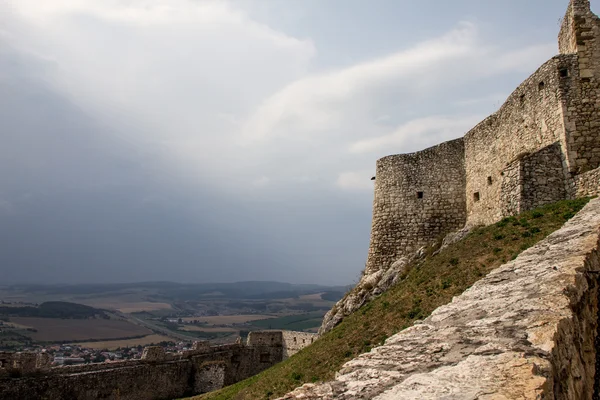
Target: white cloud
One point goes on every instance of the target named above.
(229, 100)
(493, 98)
(355, 180)
(261, 182)
(419, 133)
(325, 101)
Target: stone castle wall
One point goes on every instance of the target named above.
(527, 154)
(586, 184)
(290, 342)
(529, 120)
(580, 35)
(158, 375)
(418, 197)
(531, 152)
(293, 342)
(533, 180)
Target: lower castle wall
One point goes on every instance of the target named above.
(140, 382)
(293, 342)
(157, 376)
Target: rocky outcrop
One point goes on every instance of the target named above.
(378, 282)
(525, 331)
(370, 286)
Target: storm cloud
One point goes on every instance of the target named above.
(205, 141)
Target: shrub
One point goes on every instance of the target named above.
(296, 376)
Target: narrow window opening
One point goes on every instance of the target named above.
(295, 340)
(564, 73)
(476, 197)
(490, 180)
(419, 195)
(303, 341)
(522, 99)
(542, 85)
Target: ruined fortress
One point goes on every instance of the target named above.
(528, 330)
(157, 376)
(541, 146)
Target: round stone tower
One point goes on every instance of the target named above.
(419, 197)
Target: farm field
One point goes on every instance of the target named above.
(194, 328)
(127, 307)
(63, 330)
(299, 322)
(45, 314)
(115, 344)
(229, 319)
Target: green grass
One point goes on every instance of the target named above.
(429, 283)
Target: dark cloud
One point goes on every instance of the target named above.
(79, 205)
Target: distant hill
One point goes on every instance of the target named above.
(54, 309)
(183, 292)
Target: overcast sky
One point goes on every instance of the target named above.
(216, 141)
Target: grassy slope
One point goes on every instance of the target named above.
(429, 284)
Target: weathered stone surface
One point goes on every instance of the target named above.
(525, 331)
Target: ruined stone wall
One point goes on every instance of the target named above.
(144, 380)
(419, 197)
(529, 153)
(580, 35)
(530, 119)
(587, 184)
(528, 330)
(290, 342)
(533, 180)
(156, 376)
(209, 376)
(293, 342)
(140, 382)
(265, 338)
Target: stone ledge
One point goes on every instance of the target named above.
(526, 330)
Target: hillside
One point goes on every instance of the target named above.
(54, 309)
(429, 283)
